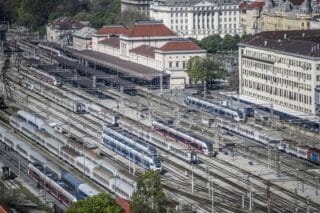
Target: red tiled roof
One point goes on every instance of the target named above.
(144, 50)
(3, 209)
(180, 46)
(251, 5)
(113, 42)
(150, 29)
(112, 29)
(125, 204)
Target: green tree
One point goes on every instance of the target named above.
(149, 196)
(234, 80)
(212, 43)
(129, 17)
(102, 203)
(205, 69)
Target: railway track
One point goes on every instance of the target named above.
(167, 105)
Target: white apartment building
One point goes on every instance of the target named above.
(152, 45)
(198, 18)
(282, 68)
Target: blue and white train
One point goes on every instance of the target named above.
(131, 147)
(214, 108)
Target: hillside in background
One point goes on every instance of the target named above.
(34, 14)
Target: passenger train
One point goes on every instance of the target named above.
(177, 149)
(214, 109)
(135, 150)
(204, 147)
(39, 168)
(43, 76)
(251, 132)
(157, 140)
(73, 105)
(108, 174)
(301, 151)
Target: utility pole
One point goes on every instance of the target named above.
(192, 184)
(278, 162)
(268, 155)
(268, 196)
(212, 199)
(250, 201)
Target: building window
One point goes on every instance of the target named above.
(170, 64)
(171, 14)
(177, 63)
(184, 64)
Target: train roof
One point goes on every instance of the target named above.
(126, 175)
(31, 117)
(140, 142)
(104, 173)
(71, 179)
(88, 190)
(88, 163)
(110, 166)
(69, 151)
(129, 143)
(208, 103)
(124, 186)
(2, 129)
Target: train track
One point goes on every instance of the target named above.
(168, 105)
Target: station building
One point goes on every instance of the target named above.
(282, 68)
(150, 45)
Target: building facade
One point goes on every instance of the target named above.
(198, 18)
(282, 68)
(62, 28)
(153, 45)
(82, 38)
(288, 15)
(142, 6)
(250, 17)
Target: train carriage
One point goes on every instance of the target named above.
(314, 155)
(209, 107)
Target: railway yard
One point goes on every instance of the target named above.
(104, 131)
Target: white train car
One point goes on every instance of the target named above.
(267, 138)
(120, 182)
(209, 107)
(44, 77)
(31, 119)
(190, 142)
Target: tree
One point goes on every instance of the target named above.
(102, 203)
(129, 17)
(211, 43)
(149, 196)
(205, 69)
(234, 80)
